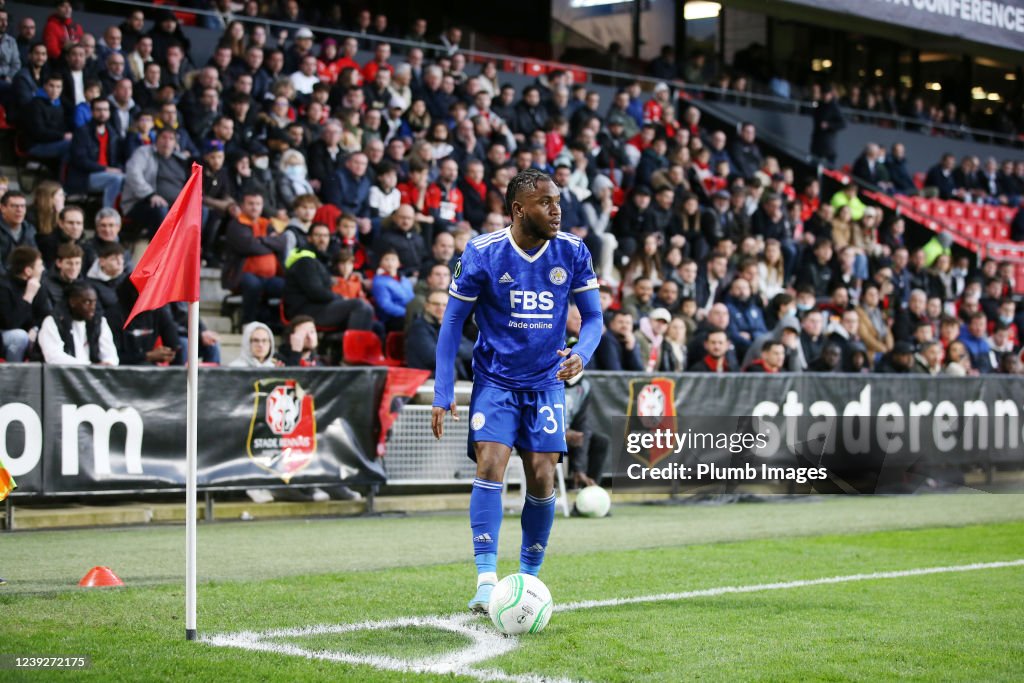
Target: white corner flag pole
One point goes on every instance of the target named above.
(191, 419)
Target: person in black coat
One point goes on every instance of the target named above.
(48, 136)
(421, 338)
(96, 160)
(399, 233)
(828, 121)
(618, 349)
(23, 304)
(307, 288)
(940, 177)
(900, 177)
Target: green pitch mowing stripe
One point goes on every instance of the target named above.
(939, 627)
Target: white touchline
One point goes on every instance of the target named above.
(488, 643)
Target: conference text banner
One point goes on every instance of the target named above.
(866, 433)
(996, 22)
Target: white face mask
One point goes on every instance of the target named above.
(296, 172)
(262, 163)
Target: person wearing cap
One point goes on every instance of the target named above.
(300, 47)
(898, 361)
(650, 335)
(653, 108)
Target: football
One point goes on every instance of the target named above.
(520, 603)
(593, 501)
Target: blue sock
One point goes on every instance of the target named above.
(485, 517)
(538, 516)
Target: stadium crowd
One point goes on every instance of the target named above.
(338, 196)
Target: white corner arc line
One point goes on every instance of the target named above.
(488, 643)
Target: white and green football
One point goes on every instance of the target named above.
(593, 501)
(520, 603)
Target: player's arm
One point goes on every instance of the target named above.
(448, 338)
(464, 290)
(585, 290)
(589, 304)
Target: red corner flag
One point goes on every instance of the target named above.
(169, 269)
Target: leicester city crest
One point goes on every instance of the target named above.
(558, 276)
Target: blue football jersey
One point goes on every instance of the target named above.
(522, 301)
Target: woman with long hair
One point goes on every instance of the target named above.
(234, 38)
(673, 347)
(771, 277)
(958, 360)
(47, 203)
(645, 262)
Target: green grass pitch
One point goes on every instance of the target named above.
(294, 575)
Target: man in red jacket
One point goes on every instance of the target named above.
(60, 30)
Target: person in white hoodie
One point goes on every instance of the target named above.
(257, 348)
(257, 352)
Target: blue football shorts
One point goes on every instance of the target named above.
(525, 420)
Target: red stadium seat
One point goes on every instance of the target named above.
(965, 228)
(940, 209)
(955, 209)
(394, 347)
(1001, 231)
(362, 347)
(534, 68)
(992, 214)
(975, 212)
(983, 231)
(1006, 213)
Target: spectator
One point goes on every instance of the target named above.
(873, 327)
(898, 361)
(870, 168)
(308, 287)
(421, 338)
(75, 333)
(618, 349)
(257, 348)
(975, 340)
(391, 292)
(29, 81)
(588, 448)
(154, 177)
(745, 153)
(96, 157)
(928, 359)
(293, 181)
(48, 136)
(830, 359)
(812, 337)
(746, 322)
(847, 196)
(673, 347)
(716, 347)
(652, 331)
(15, 231)
(401, 235)
(26, 37)
(907, 319)
(939, 180)
(640, 302)
(61, 30)
(772, 360)
(349, 190)
(818, 272)
(250, 262)
(828, 121)
(23, 307)
(108, 231)
(300, 351)
(67, 271)
(899, 175)
(444, 199)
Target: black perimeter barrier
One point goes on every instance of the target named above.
(87, 430)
